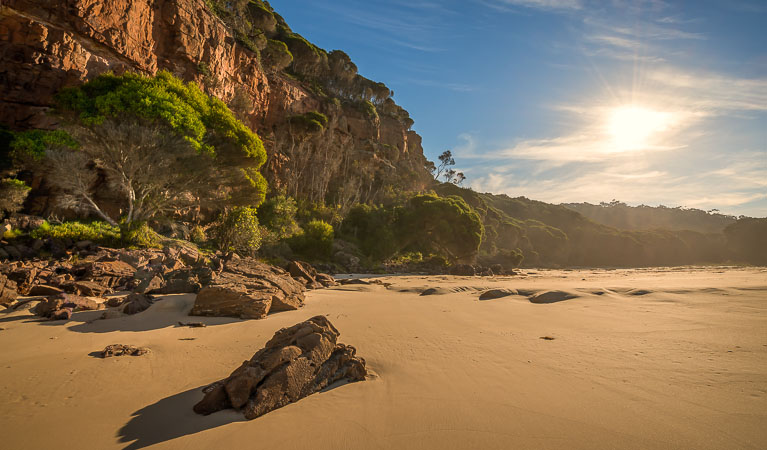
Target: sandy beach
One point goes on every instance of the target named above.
(632, 359)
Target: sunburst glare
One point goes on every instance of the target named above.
(634, 127)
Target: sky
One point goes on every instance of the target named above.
(646, 101)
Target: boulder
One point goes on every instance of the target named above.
(8, 292)
(135, 303)
(44, 290)
(123, 350)
(325, 280)
(233, 301)
(301, 271)
(88, 288)
(149, 284)
(62, 306)
(249, 289)
(298, 361)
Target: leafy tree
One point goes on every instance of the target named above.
(160, 144)
(445, 159)
(443, 225)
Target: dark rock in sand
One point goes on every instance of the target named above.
(8, 292)
(135, 303)
(297, 362)
(249, 289)
(192, 324)
(123, 350)
(496, 293)
(56, 307)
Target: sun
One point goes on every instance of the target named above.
(633, 127)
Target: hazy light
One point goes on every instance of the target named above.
(633, 127)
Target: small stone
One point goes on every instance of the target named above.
(123, 350)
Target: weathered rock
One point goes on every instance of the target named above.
(302, 271)
(298, 361)
(44, 289)
(8, 292)
(110, 274)
(57, 307)
(233, 301)
(325, 280)
(249, 289)
(88, 288)
(149, 284)
(123, 350)
(135, 303)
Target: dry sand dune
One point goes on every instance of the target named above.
(591, 359)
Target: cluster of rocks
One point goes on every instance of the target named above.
(232, 286)
(298, 361)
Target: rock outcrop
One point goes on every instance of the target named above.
(249, 289)
(298, 361)
(46, 45)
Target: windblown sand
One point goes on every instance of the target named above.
(628, 359)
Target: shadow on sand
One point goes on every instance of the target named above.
(166, 312)
(171, 418)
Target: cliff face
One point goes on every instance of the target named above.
(49, 44)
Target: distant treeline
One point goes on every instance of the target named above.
(620, 215)
(554, 235)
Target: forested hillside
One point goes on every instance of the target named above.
(620, 215)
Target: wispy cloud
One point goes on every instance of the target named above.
(546, 5)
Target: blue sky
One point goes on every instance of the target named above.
(645, 101)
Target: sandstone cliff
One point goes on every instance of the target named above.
(49, 44)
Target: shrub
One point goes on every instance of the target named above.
(278, 215)
(197, 235)
(315, 242)
(98, 232)
(276, 55)
(239, 231)
(13, 192)
(312, 121)
(12, 233)
(139, 234)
